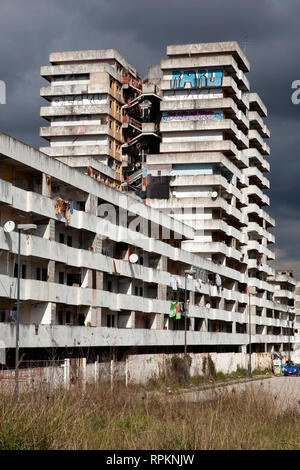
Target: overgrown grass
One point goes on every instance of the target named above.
(130, 418)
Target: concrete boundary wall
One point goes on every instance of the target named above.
(136, 369)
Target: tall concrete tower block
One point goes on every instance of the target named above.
(86, 93)
(212, 159)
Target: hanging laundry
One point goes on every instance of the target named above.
(178, 312)
(58, 205)
(172, 309)
(173, 282)
(182, 311)
(71, 207)
(63, 206)
(218, 280)
(6, 316)
(67, 212)
(12, 316)
(179, 283)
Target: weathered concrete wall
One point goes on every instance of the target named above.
(137, 369)
(144, 367)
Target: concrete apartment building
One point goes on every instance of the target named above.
(79, 290)
(212, 163)
(184, 174)
(86, 93)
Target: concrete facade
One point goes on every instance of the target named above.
(86, 95)
(213, 164)
(181, 187)
(79, 288)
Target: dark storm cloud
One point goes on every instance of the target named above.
(140, 30)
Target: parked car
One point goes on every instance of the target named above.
(290, 368)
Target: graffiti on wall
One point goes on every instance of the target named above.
(74, 100)
(191, 116)
(197, 78)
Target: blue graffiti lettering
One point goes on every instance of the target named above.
(200, 78)
(214, 77)
(189, 77)
(176, 79)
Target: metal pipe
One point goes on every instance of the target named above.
(185, 325)
(16, 393)
(289, 350)
(250, 365)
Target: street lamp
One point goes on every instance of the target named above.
(290, 311)
(9, 227)
(188, 272)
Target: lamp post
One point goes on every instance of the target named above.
(188, 272)
(20, 228)
(289, 332)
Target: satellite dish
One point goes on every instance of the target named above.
(214, 194)
(9, 226)
(207, 305)
(133, 258)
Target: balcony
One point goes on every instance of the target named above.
(254, 192)
(255, 156)
(257, 123)
(257, 177)
(48, 112)
(256, 141)
(255, 209)
(256, 104)
(260, 232)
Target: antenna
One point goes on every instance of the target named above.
(245, 43)
(9, 226)
(133, 258)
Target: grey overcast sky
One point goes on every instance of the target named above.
(140, 30)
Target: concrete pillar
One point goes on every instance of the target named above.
(52, 313)
(161, 291)
(112, 372)
(51, 271)
(252, 314)
(46, 185)
(96, 371)
(192, 298)
(51, 231)
(83, 373)
(67, 373)
(51, 267)
(126, 372)
(95, 316)
(132, 319)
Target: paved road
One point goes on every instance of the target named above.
(284, 391)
